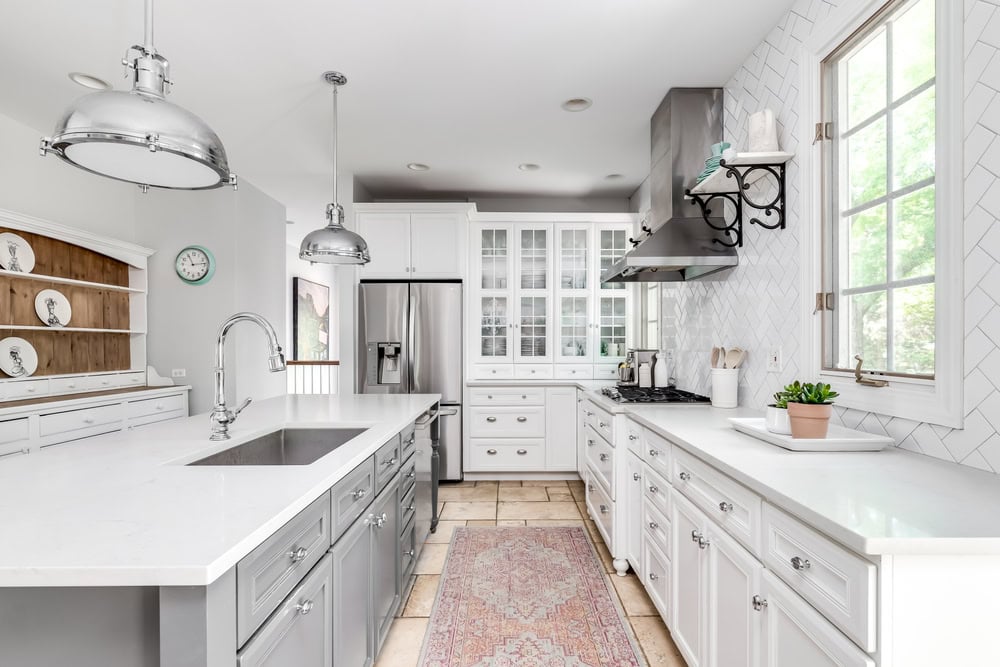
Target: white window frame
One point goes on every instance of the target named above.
(937, 401)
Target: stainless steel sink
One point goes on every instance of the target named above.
(285, 447)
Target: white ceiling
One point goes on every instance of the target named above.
(470, 87)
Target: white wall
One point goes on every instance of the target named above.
(756, 305)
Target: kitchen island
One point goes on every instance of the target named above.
(114, 551)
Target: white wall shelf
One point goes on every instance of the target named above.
(71, 281)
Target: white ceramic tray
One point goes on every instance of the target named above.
(838, 438)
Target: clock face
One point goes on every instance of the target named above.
(195, 265)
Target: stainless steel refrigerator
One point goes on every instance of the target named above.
(410, 342)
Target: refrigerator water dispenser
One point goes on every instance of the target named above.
(388, 363)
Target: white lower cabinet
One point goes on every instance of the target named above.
(733, 625)
(352, 598)
(688, 579)
(633, 509)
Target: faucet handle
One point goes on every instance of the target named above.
(247, 401)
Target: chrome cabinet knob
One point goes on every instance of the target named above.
(381, 520)
(601, 424)
(685, 476)
(522, 452)
(411, 474)
(604, 457)
(304, 607)
(725, 506)
(298, 555)
(632, 437)
(695, 535)
(359, 494)
(590, 487)
(653, 452)
(604, 509)
(491, 419)
(653, 525)
(524, 397)
(589, 413)
(522, 419)
(590, 443)
(758, 603)
(653, 576)
(491, 452)
(636, 476)
(410, 553)
(801, 563)
(410, 508)
(653, 489)
(490, 396)
(703, 542)
(390, 462)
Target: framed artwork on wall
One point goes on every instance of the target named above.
(310, 320)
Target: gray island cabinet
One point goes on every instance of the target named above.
(320, 591)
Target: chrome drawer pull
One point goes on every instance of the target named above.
(653, 576)
(304, 607)
(604, 457)
(632, 437)
(491, 419)
(522, 419)
(411, 474)
(636, 476)
(653, 452)
(601, 425)
(685, 476)
(298, 555)
(695, 535)
(490, 396)
(359, 494)
(759, 603)
(410, 508)
(380, 520)
(524, 397)
(703, 543)
(589, 414)
(590, 443)
(653, 489)
(390, 462)
(412, 440)
(491, 452)
(801, 563)
(590, 487)
(654, 525)
(411, 553)
(522, 452)
(604, 509)
(725, 506)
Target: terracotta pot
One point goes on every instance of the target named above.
(809, 420)
(776, 420)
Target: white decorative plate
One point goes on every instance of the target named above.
(18, 358)
(15, 253)
(838, 438)
(52, 308)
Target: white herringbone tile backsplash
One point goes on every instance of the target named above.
(756, 306)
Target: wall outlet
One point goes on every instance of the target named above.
(179, 373)
(774, 363)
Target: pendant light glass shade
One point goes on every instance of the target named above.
(139, 136)
(334, 244)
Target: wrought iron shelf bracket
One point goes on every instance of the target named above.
(743, 176)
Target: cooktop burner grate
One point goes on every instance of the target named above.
(652, 395)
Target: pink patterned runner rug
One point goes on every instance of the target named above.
(526, 597)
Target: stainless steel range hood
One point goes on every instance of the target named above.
(682, 246)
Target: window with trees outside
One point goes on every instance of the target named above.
(879, 91)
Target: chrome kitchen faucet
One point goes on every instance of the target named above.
(221, 416)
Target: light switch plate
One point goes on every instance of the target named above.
(178, 373)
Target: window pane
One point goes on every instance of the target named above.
(913, 235)
(913, 48)
(866, 331)
(866, 80)
(867, 164)
(913, 140)
(913, 329)
(866, 252)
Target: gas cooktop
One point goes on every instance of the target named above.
(625, 394)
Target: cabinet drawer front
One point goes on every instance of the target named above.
(602, 510)
(26, 389)
(604, 423)
(655, 491)
(386, 463)
(268, 573)
(351, 496)
(13, 430)
(490, 454)
(533, 372)
(656, 565)
(500, 422)
(655, 526)
(840, 584)
(493, 371)
(657, 453)
(407, 443)
(153, 406)
(408, 552)
(407, 507)
(73, 420)
(635, 437)
(732, 505)
(102, 382)
(606, 372)
(601, 459)
(137, 422)
(135, 379)
(507, 396)
(68, 385)
(574, 372)
(301, 631)
(408, 475)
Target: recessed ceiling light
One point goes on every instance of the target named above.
(528, 166)
(613, 177)
(577, 104)
(418, 166)
(89, 81)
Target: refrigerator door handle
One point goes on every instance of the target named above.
(411, 326)
(446, 412)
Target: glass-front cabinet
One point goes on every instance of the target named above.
(613, 299)
(532, 326)
(575, 277)
(494, 296)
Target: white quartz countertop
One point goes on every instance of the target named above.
(124, 510)
(888, 502)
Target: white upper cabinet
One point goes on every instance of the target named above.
(533, 294)
(614, 301)
(575, 276)
(412, 241)
(493, 290)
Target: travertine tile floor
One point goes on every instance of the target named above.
(531, 503)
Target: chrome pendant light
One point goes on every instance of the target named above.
(139, 136)
(334, 244)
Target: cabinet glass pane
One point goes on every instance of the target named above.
(533, 327)
(611, 248)
(612, 326)
(573, 259)
(494, 258)
(534, 252)
(494, 326)
(573, 315)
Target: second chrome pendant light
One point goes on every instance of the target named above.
(334, 244)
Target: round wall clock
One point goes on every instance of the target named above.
(195, 265)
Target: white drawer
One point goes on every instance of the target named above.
(507, 396)
(601, 458)
(26, 389)
(134, 379)
(137, 422)
(604, 423)
(602, 509)
(732, 505)
(68, 385)
(635, 437)
(574, 372)
(656, 565)
(102, 382)
(74, 420)
(493, 371)
(153, 406)
(533, 371)
(839, 583)
(507, 422)
(13, 430)
(606, 372)
(655, 526)
(657, 453)
(489, 454)
(656, 490)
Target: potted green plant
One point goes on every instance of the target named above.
(776, 417)
(809, 409)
